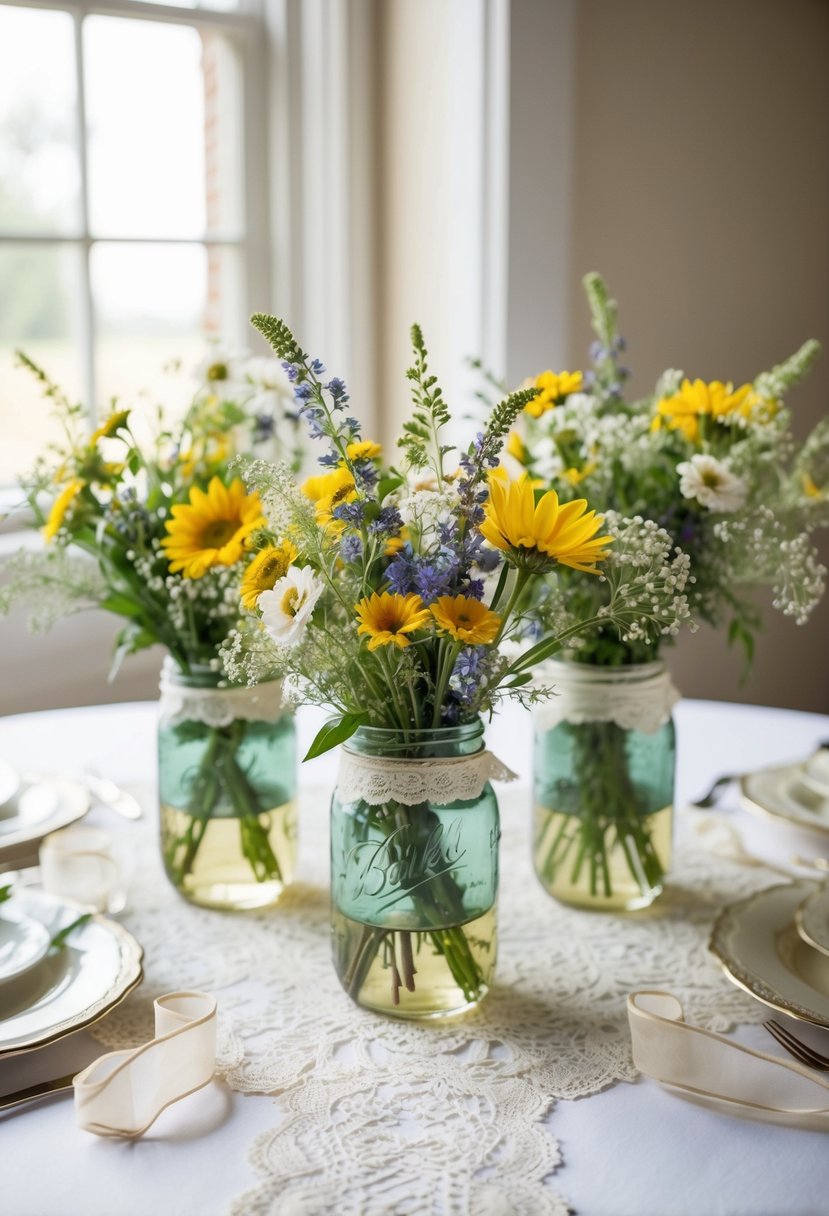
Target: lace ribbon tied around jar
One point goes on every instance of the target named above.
(640, 697)
(379, 779)
(217, 707)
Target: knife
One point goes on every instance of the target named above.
(43, 1090)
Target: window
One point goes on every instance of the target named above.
(128, 200)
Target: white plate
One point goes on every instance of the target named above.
(9, 784)
(23, 943)
(68, 988)
(788, 792)
(43, 805)
(812, 919)
(760, 949)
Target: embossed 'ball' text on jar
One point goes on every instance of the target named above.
(414, 870)
(227, 789)
(603, 779)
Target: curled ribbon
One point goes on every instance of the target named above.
(712, 1070)
(124, 1092)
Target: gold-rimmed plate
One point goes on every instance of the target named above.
(812, 919)
(760, 949)
(69, 988)
(788, 793)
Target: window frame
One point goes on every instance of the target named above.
(246, 28)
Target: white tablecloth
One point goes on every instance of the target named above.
(634, 1149)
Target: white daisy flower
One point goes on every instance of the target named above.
(711, 483)
(287, 608)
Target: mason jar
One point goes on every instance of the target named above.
(414, 876)
(604, 762)
(227, 790)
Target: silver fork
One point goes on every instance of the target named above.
(795, 1047)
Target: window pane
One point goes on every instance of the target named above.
(223, 6)
(38, 289)
(38, 160)
(163, 105)
(154, 306)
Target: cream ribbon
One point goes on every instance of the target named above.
(124, 1092)
(714, 1071)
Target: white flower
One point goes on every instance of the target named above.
(711, 483)
(286, 609)
(222, 369)
(268, 374)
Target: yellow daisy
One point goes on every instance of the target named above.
(697, 399)
(212, 529)
(60, 506)
(386, 619)
(534, 536)
(365, 449)
(466, 619)
(575, 476)
(266, 569)
(107, 429)
(554, 386)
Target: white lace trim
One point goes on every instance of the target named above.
(369, 1108)
(217, 706)
(636, 698)
(377, 779)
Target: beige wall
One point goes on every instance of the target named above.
(701, 192)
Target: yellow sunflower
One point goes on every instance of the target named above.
(364, 449)
(466, 619)
(554, 386)
(386, 619)
(212, 529)
(535, 535)
(697, 399)
(60, 506)
(328, 491)
(269, 565)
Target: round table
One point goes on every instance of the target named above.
(632, 1149)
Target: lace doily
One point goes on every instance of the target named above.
(378, 779)
(217, 706)
(378, 1116)
(635, 698)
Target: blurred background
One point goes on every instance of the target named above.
(355, 165)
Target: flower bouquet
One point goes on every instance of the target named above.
(158, 533)
(698, 470)
(405, 585)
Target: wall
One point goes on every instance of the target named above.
(701, 191)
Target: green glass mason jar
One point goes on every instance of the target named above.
(227, 790)
(414, 883)
(604, 786)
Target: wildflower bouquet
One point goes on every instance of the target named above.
(158, 533)
(698, 470)
(405, 584)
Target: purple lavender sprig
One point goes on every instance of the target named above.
(322, 405)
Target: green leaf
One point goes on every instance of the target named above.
(387, 486)
(122, 605)
(334, 731)
(5, 893)
(59, 940)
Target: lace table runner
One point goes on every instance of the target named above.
(378, 1116)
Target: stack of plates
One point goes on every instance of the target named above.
(47, 993)
(797, 794)
(31, 807)
(775, 945)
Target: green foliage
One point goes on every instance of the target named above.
(335, 731)
(603, 309)
(503, 417)
(277, 333)
(421, 433)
